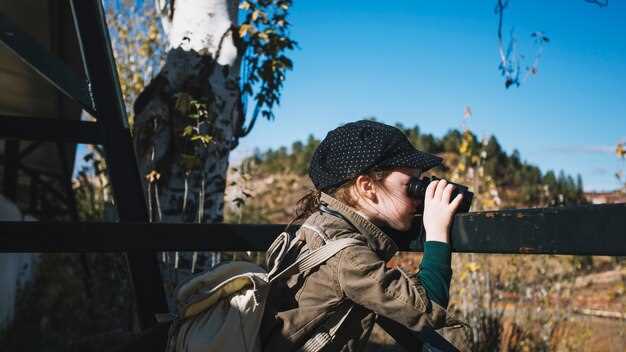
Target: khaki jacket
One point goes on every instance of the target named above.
(356, 276)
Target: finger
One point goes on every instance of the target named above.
(456, 201)
(430, 190)
(447, 193)
(439, 191)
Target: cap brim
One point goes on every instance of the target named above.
(426, 161)
(415, 160)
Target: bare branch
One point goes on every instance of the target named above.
(600, 3)
(510, 59)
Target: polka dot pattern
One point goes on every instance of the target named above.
(357, 147)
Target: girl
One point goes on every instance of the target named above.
(361, 172)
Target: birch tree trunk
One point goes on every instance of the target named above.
(185, 178)
(202, 65)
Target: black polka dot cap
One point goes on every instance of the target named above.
(358, 147)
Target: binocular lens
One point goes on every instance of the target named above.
(417, 189)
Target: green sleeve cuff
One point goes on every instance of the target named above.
(438, 253)
(436, 272)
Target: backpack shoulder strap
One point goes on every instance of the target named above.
(316, 257)
(316, 230)
(283, 246)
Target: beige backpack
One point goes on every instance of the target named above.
(221, 309)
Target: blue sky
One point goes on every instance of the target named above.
(419, 62)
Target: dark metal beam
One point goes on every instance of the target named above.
(11, 164)
(100, 67)
(582, 230)
(45, 64)
(95, 47)
(29, 149)
(49, 129)
(34, 194)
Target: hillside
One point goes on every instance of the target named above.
(270, 182)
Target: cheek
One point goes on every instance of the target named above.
(398, 207)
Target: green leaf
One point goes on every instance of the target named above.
(188, 131)
(204, 138)
(183, 102)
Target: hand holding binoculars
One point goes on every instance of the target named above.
(417, 189)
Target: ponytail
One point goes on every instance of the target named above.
(306, 206)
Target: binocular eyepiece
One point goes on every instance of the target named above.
(417, 189)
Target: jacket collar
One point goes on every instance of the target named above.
(376, 239)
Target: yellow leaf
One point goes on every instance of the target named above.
(205, 139)
(463, 148)
(264, 36)
(243, 30)
(137, 78)
(153, 33)
(256, 14)
(153, 176)
(187, 131)
(620, 151)
(472, 266)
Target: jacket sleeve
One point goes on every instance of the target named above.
(392, 293)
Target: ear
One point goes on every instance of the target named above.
(364, 186)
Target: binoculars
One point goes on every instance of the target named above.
(417, 189)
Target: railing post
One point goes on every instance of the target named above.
(95, 47)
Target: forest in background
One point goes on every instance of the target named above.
(523, 184)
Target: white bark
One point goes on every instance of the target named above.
(199, 29)
(200, 24)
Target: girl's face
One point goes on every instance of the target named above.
(388, 202)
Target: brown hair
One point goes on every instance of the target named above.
(310, 202)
